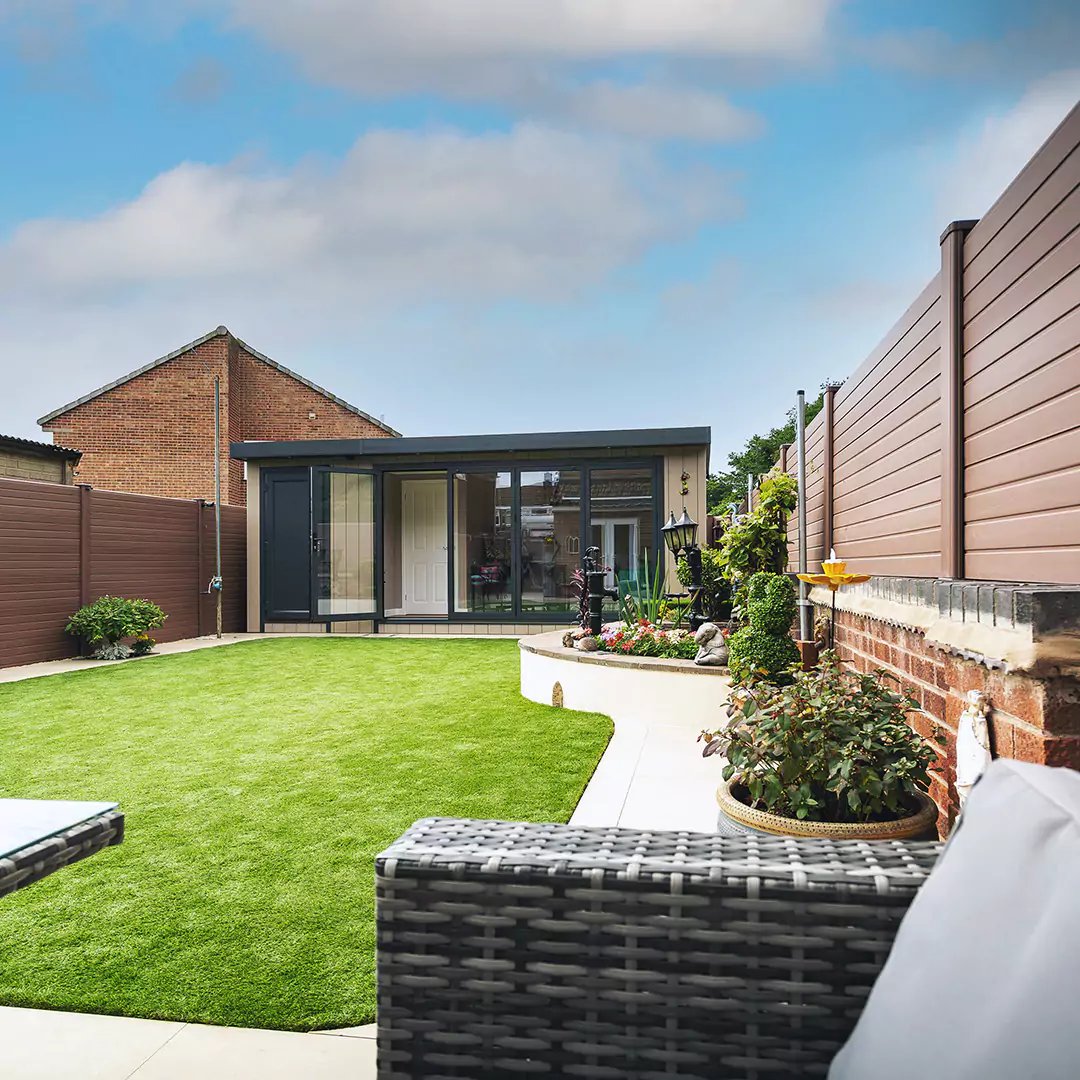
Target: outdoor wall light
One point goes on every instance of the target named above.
(681, 536)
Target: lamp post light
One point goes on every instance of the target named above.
(681, 536)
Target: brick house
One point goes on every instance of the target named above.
(152, 431)
(24, 459)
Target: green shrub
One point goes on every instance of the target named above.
(758, 540)
(109, 619)
(764, 649)
(833, 745)
(142, 644)
(755, 654)
(771, 603)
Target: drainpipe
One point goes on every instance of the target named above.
(805, 621)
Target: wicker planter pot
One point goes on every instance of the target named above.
(738, 819)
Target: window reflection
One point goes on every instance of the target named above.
(621, 522)
(550, 543)
(344, 542)
(482, 537)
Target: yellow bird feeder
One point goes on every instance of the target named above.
(833, 576)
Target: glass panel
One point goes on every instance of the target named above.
(482, 538)
(344, 543)
(621, 517)
(550, 547)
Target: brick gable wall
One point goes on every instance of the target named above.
(154, 434)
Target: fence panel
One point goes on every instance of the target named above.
(1017, 285)
(39, 569)
(887, 450)
(1022, 374)
(63, 546)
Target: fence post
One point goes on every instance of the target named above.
(952, 398)
(199, 504)
(827, 477)
(85, 554)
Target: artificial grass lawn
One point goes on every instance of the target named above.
(259, 780)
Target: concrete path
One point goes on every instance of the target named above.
(78, 663)
(652, 775)
(36, 1044)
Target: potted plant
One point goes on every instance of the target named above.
(829, 754)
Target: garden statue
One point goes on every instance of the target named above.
(712, 646)
(972, 743)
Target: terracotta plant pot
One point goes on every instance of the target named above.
(738, 819)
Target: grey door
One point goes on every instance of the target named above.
(286, 545)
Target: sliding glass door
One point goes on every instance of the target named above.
(343, 542)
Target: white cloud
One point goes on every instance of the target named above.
(985, 157)
(402, 231)
(378, 42)
(528, 55)
(404, 217)
(660, 112)
(543, 59)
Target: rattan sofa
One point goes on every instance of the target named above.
(44, 857)
(550, 950)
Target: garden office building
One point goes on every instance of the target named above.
(463, 533)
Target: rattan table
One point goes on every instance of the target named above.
(38, 836)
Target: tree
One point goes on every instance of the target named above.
(757, 457)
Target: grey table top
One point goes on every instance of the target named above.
(27, 821)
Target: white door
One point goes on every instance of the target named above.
(617, 539)
(423, 547)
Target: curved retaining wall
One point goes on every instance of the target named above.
(623, 687)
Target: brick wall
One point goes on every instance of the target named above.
(1031, 719)
(153, 435)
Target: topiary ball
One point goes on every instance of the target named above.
(770, 604)
(757, 654)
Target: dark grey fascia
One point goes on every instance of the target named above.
(459, 445)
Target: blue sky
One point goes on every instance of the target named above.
(479, 216)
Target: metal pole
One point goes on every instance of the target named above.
(749, 492)
(805, 621)
(217, 496)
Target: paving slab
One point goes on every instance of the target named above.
(222, 1053)
(40, 1044)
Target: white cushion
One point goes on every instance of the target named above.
(983, 981)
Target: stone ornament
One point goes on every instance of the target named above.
(557, 695)
(712, 646)
(972, 743)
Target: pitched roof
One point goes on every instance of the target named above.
(41, 449)
(221, 331)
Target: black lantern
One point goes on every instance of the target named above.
(687, 531)
(670, 531)
(681, 536)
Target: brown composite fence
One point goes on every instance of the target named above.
(954, 449)
(61, 547)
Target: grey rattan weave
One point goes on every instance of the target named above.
(551, 950)
(36, 861)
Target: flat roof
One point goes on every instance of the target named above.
(463, 445)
